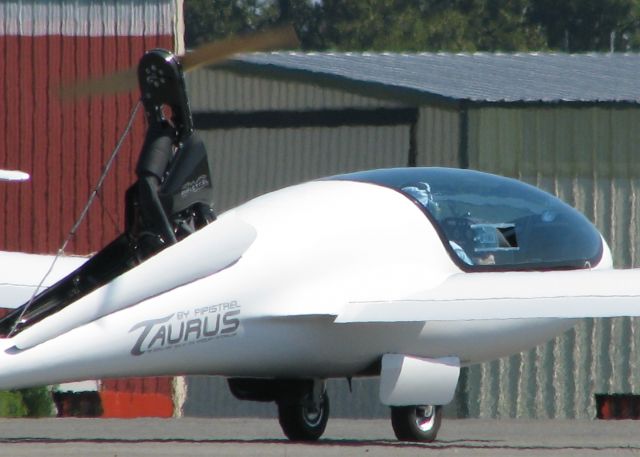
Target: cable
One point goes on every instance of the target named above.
(83, 214)
(107, 211)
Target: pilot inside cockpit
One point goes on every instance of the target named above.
(487, 221)
(459, 230)
(421, 191)
(468, 240)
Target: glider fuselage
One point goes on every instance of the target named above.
(296, 259)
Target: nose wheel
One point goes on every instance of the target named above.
(304, 418)
(416, 423)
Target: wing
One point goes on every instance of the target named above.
(511, 295)
(20, 275)
(13, 175)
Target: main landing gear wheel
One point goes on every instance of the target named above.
(301, 419)
(416, 423)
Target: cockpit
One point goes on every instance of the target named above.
(490, 222)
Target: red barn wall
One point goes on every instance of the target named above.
(64, 145)
(137, 397)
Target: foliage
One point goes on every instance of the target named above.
(428, 25)
(34, 402)
(38, 401)
(586, 25)
(211, 20)
(11, 404)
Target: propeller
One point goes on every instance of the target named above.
(207, 54)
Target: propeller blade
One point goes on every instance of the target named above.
(217, 51)
(207, 54)
(121, 81)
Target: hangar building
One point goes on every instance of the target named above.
(566, 123)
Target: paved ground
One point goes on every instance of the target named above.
(252, 437)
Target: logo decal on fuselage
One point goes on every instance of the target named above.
(197, 325)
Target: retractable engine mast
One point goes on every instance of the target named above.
(172, 197)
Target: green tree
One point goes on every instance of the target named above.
(12, 404)
(587, 25)
(496, 25)
(427, 25)
(207, 20)
(304, 15)
(37, 401)
(32, 402)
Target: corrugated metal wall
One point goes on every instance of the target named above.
(222, 90)
(251, 162)
(137, 397)
(65, 145)
(438, 137)
(589, 158)
(254, 161)
(209, 396)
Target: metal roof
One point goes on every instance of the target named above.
(477, 77)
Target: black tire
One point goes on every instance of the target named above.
(416, 423)
(300, 421)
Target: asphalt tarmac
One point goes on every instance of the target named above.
(252, 437)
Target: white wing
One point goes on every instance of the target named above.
(511, 295)
(20, 275)
(13, 175)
